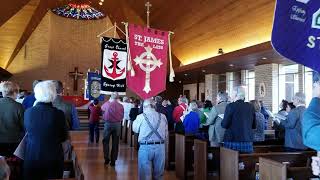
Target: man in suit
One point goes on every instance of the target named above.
(292, 125)
(70, 114)
(239, 122)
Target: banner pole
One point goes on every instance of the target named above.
(171, 75)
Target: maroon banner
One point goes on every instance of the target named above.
(148, 52)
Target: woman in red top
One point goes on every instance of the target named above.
(95, 112)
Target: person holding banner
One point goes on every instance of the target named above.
(113, 116)
(311, 124)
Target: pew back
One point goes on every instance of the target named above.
(277, 170)
(170, 151)
(203, 167)
(183, 155)
(244, 166)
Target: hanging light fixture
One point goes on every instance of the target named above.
(78, 10)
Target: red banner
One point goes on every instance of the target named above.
(149, 52)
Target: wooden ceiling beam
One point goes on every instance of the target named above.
(10, 8)
(36, 18)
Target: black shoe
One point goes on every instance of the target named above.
(106, 162)
(112, 163)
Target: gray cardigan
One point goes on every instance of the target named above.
(216, 132)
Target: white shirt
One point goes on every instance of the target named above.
(141, 126)
(127, 107)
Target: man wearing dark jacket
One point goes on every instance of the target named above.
(11, 118)
(239, 122)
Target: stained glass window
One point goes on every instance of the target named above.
(78, 11)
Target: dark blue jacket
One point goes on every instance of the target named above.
(311, 125)
(239, 121)
(46, 130)
(28, 101)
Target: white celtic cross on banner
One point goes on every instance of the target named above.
(148, 63)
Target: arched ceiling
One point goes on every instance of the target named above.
(201, 26)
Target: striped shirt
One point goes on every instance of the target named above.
(113, 111)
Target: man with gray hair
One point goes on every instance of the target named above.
(239, 121)
(216, 132)
(152, 127)
(113, 116)
(292, 125)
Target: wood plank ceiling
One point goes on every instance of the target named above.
(201, 27)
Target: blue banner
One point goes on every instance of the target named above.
(296, 31)
(94, 86)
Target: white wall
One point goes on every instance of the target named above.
(193, 90)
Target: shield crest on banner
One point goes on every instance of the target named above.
(296, 31)
(149, 53)
(113, 65)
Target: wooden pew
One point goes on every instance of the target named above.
(235, 166)
(277, 170)
(203, 167)
(170, 151)
(209, 169)
(184, 155)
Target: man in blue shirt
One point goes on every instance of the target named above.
(29, 100)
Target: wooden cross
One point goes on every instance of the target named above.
(148, 5)
(76, 75)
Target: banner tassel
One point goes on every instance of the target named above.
(130, 67)
(172, 74)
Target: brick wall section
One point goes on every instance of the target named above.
(211, 87)
(267, 74)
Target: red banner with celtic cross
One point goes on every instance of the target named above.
(149, 53)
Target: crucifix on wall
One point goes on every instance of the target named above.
(76, 75)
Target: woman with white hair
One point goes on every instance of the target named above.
(191, 121)
(11, 118)
(46, 130)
